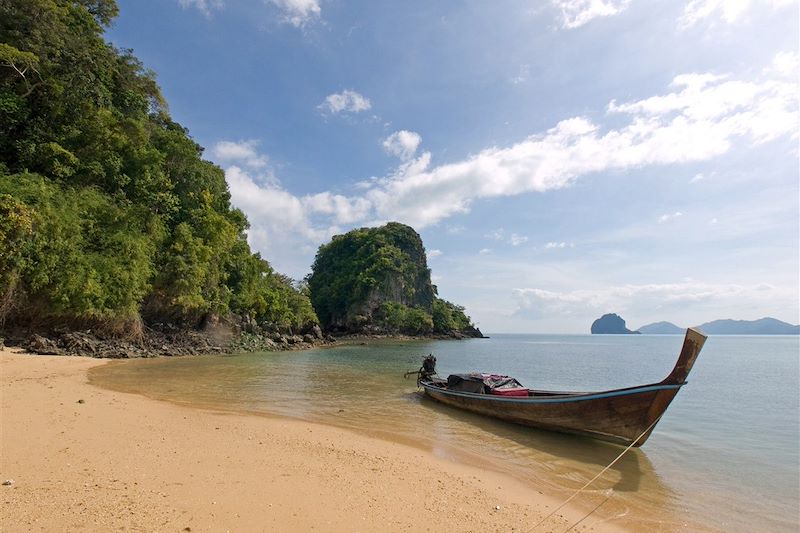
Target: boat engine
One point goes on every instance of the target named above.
(428, 367)
(426, 371)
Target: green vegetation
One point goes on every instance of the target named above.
(356, 272)
(109, 216)
(449, 317)
(108, 213)
(377, 280)
(394, 317)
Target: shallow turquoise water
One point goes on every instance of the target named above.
(726, 455)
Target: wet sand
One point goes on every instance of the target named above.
(87, 459)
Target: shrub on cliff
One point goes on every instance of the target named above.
(448, 317)
(394, 317)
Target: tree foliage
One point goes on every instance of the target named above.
(448, 316)
(108, 209)
(378, 278)
(356, 272)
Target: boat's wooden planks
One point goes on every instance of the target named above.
(619, 415)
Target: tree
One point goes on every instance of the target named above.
(120, 215)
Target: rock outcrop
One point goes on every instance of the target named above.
(610, 324)
(376, 281)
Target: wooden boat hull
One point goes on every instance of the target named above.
(624, 416)
(617, 418)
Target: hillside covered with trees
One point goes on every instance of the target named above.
(376, 280)
(109, 216)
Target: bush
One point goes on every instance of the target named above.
(448, 317)
(86, 257)
(394, 317)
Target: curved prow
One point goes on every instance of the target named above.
(692, 345)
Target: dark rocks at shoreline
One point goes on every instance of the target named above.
(43, 346)
(164, 340)
(273, 342)
(86, 344)
(154, 343)
(376, 332)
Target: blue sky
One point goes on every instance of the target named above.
(560, 161)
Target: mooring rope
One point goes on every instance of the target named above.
(603, 471)
(609, 493)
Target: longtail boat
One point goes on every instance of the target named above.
(623, 416)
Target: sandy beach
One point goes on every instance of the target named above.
(88, 459)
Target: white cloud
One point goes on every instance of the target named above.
(516, 240)
(298, 13)
(576, 13)
(497, 235)
(784, 64)
(204, 6)
(669, 216)
(241, 152)
(629, 297)
(434, 253)
(697, 177)
(714, 220)
(700, 120)
(271, 210)
(402, 144)
(277, 217)
(729, 11)
(485, 251)
(553, 245)
(455, 230)
(500, 235)
(347, 101)
(341, 209)
(523, 74)
(703, 117)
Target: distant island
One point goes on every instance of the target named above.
(762, 326)
(661, 328)
(611, 324)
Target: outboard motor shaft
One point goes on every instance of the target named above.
(426, 371)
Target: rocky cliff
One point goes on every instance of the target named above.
(377, 280)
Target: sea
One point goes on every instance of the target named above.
(725, 456)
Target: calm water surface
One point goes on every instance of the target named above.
(724, 457)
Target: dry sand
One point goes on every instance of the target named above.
(88, 459)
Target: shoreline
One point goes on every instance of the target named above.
(119, 460)
(179, 342)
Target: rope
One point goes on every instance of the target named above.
(603, 471)
(587, 515)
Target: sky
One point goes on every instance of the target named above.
(561, 159)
